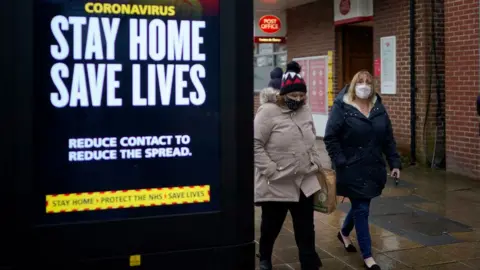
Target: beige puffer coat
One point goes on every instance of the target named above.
(286, 158)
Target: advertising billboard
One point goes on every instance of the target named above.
(126, 109)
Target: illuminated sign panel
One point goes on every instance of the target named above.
(126, 109)
(270, 24)
(270, 27)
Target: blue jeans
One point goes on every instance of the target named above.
(358, 217)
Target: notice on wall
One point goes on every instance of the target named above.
(126, 108)
(388, 65)
(305, 71)
(318, 85)
(314, 73)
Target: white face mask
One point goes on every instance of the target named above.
(362, 91)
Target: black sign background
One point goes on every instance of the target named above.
(53, 174)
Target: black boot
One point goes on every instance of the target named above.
(312, 263)
(266, 265)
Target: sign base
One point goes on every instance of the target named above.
(230, 257)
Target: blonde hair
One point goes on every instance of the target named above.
(369, 79)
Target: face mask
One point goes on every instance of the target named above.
(362, 91)
(293, 104)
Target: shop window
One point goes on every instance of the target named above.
(266, 57)
(268, 54)
(281, 60)
(280, 48)
(264, 61)
(265, 48)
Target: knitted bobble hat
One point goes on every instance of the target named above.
(292, 81)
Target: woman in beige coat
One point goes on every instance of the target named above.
(286, 163)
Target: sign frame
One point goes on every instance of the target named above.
(222, 240)
(388, 58)
(307, 60)
(260, 36)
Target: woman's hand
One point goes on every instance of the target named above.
(395, 173)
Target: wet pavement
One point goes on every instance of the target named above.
(431, 220)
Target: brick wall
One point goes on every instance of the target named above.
(462, 87)
(310, 30)
(392, 19)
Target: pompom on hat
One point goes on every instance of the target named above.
(292, 81)
(294, 67)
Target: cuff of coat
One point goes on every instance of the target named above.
(271, 169)
(395, 164)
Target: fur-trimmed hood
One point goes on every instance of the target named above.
(268, 95)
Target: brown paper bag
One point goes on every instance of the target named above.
(325, 200)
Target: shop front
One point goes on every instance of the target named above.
(424, 60)
(270, 48)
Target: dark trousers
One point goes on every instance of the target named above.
(358, 217)
(273, 216)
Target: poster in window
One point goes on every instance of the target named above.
(304, 71)
(317, 88)
(388, 65)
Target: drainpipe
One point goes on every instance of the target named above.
(413, 114)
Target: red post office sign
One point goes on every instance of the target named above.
(270, 24)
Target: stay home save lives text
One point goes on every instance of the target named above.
(126, 97)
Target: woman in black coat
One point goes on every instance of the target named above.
(358, 133)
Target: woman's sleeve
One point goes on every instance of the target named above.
(262, 129)
(332, 136)
(390, 147)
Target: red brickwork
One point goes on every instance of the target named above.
(392, 19)
(310, 30)
(462, 86)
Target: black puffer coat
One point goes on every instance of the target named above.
(356, 143)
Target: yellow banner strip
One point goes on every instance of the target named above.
(105, 200)
(331, 95)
